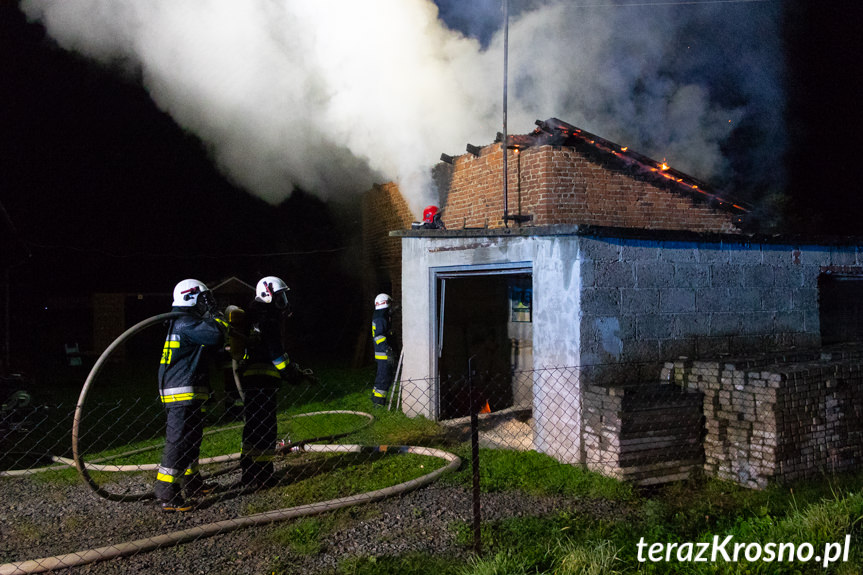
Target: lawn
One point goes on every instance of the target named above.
(122, 416)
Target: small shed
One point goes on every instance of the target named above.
(609, 266)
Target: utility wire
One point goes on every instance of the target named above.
(181, 255)
(671, 3)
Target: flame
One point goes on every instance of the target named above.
(624, 148)
(664, 166)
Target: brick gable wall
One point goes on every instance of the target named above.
(562, 186)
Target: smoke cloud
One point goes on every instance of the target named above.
(332, 95)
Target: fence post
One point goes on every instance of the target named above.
(474, 447)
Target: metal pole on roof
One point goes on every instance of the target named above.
(505, 80)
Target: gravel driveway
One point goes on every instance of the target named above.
(41, 519)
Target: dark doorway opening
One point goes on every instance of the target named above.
(477, 339)
(841, 307)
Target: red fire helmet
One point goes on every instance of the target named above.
(429, 213)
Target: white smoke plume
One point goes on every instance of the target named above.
(332, 95)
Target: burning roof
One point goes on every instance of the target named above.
(554, 132)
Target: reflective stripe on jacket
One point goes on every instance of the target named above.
(190, 346)
(380, 332)
(265, 354)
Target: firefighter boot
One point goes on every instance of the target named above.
(175, 504)
(197, 487)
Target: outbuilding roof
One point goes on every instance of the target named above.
(555, 132)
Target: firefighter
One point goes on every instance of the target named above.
(265, 364)
(191, 346)
(431, 220)
(382, 338)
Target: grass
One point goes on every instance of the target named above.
(598, 535)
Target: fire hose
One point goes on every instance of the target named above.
(186, 535)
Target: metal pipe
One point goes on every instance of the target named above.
(505, 81)
(474, 452)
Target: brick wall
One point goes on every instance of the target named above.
(383, 210)
(563, 186)
(781, 418)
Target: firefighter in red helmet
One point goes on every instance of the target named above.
(432, 218)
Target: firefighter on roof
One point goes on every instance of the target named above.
(191, 345)
(382, 338)
(264, 366)
(432, 220)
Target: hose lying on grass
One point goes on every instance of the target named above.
(178, 537)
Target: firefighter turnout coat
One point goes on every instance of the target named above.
(381, 335)
(263, 368)
(190, 348)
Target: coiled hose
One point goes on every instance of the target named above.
(177, 537)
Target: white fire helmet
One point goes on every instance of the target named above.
(272, 290)
(187, 291)
(382, 301)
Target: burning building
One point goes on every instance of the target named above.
(595, 270)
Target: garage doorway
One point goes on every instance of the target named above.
(483, 330)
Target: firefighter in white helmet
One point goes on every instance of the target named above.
(265, 364)
(191, 345)
(382, 336)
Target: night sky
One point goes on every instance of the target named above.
(102, 191)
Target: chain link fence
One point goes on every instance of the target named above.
(69, 499)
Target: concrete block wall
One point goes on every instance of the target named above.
(558, 186)
(779, 418)
(650, 300)
(612, 306)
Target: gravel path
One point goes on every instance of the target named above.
(41, 519)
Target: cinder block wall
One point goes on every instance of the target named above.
(644, 301)
(558, 185)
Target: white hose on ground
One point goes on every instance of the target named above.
(96, 465)
(177, 537)
(148, 544)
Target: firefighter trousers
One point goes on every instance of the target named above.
(259, 429)
(179, 465)
(383, 379)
